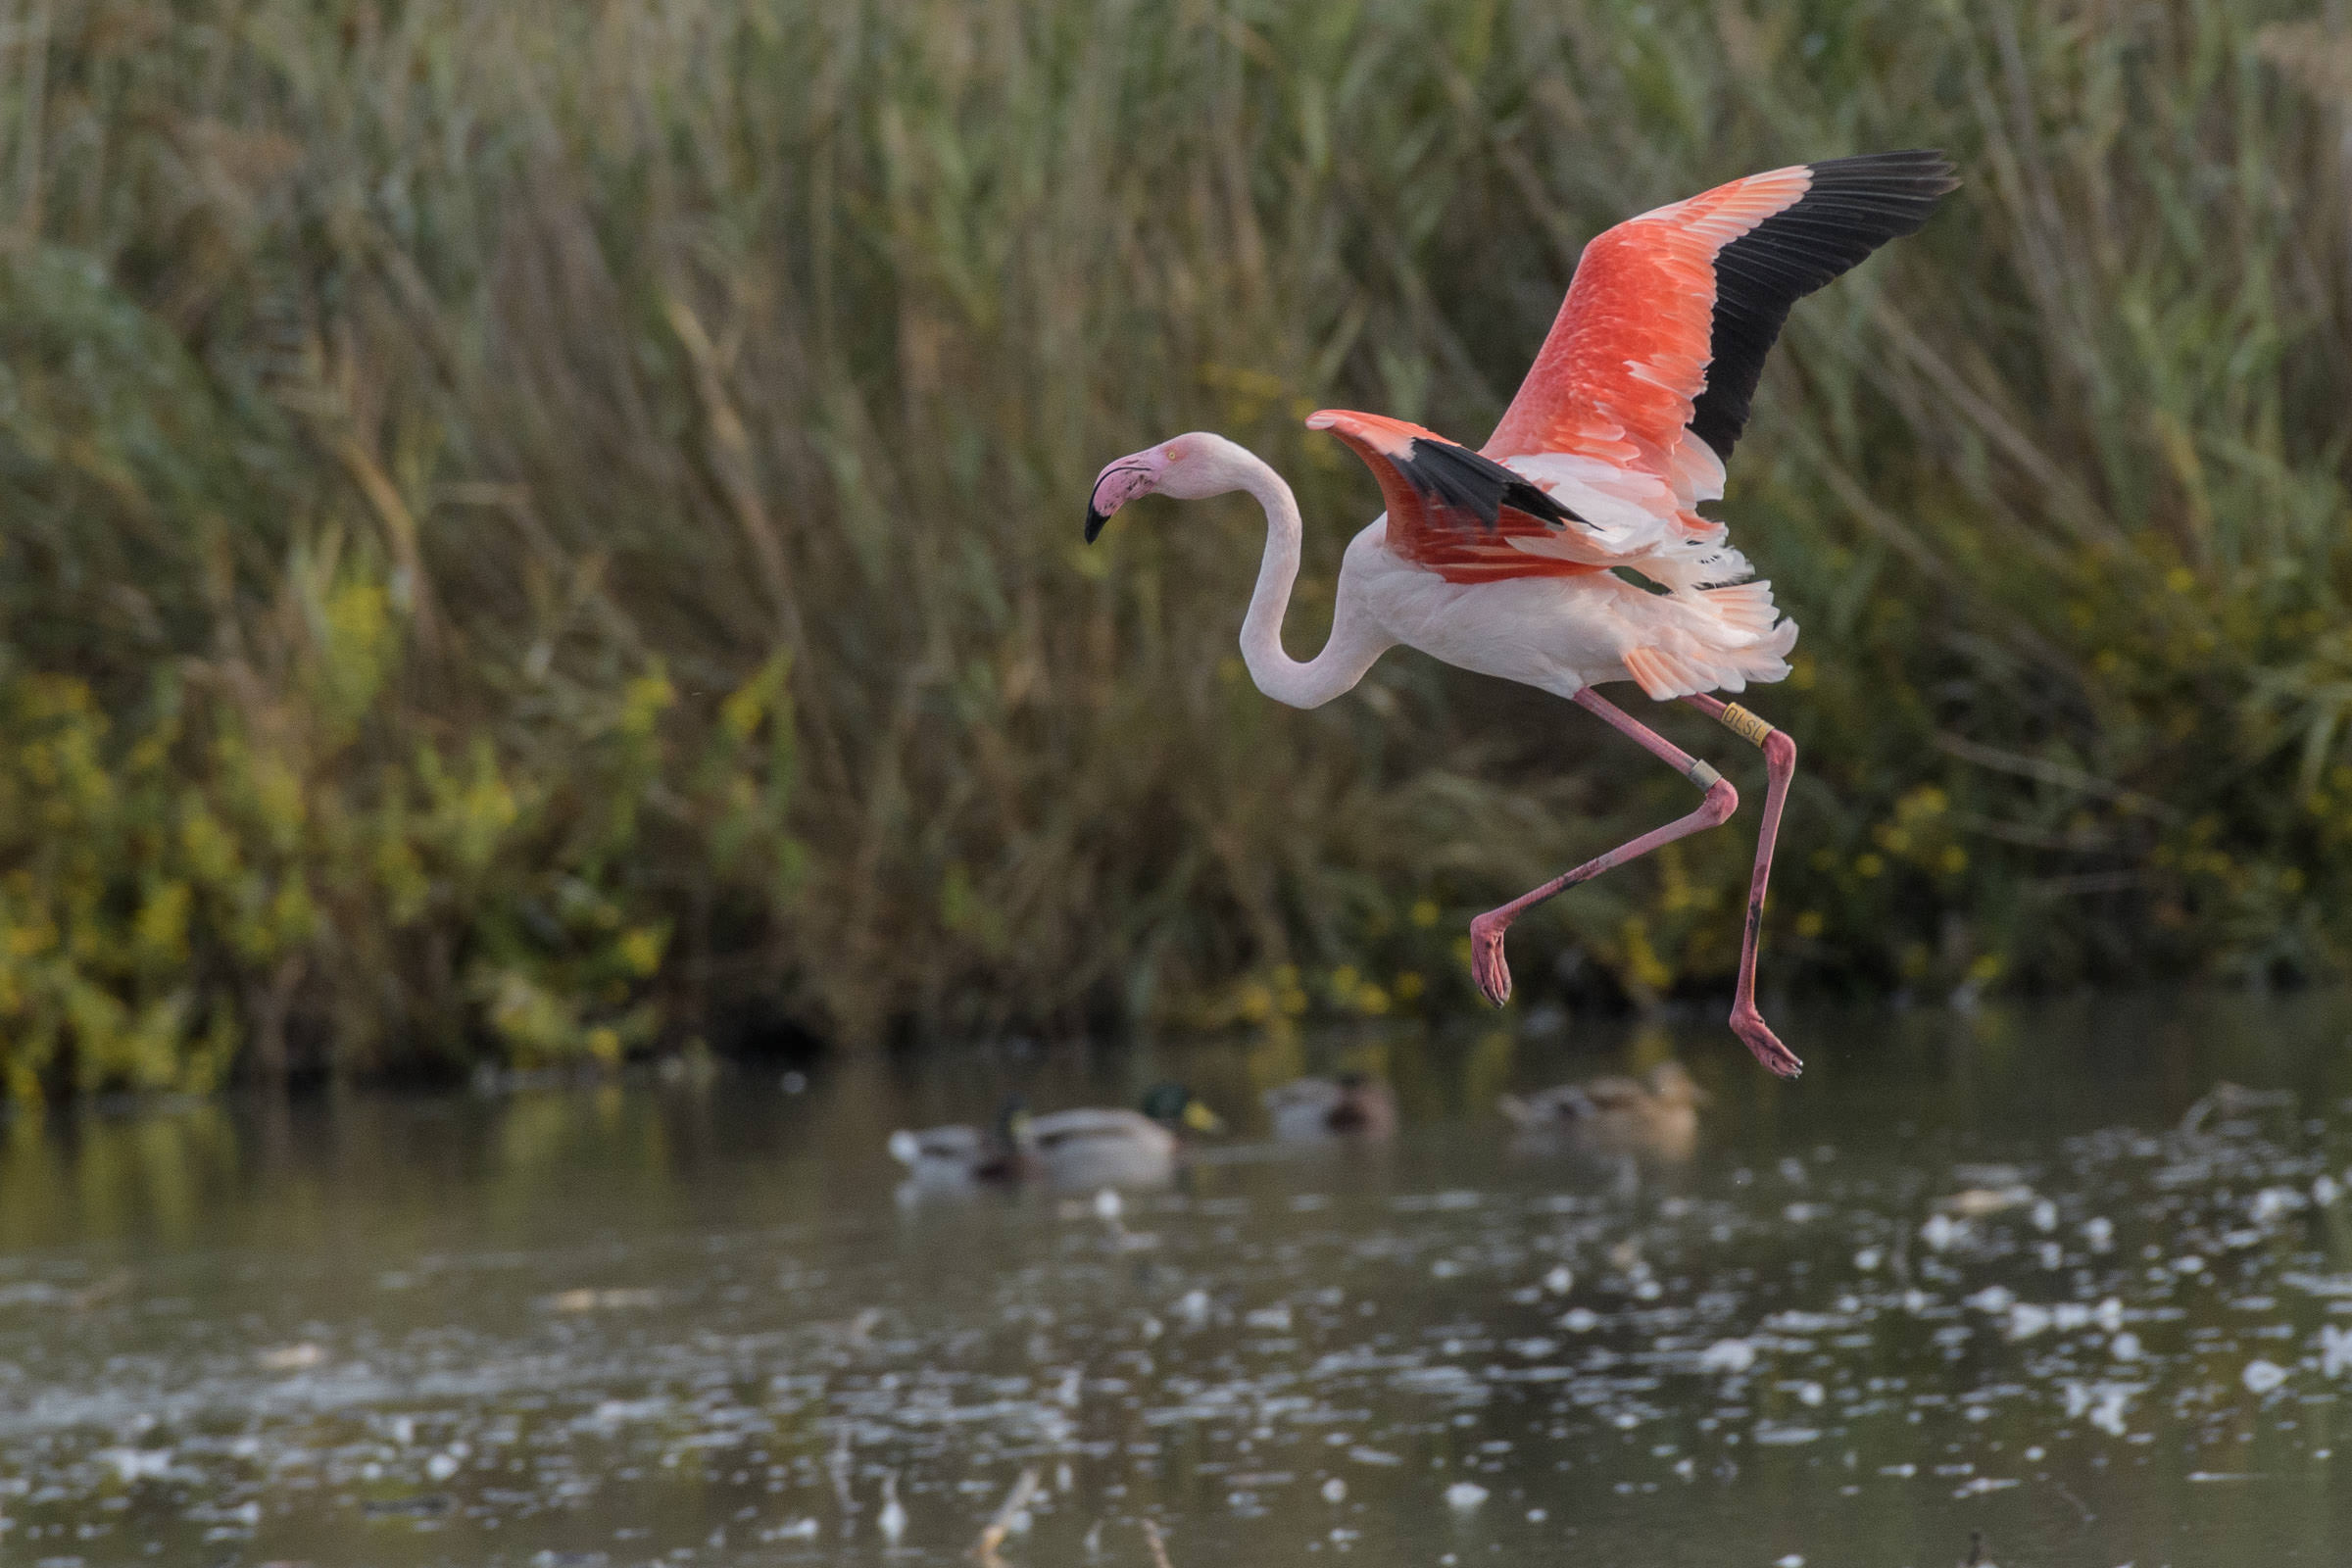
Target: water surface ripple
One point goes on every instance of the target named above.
(2018, 1273)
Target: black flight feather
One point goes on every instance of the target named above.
(1461, 480)
(1854, 206)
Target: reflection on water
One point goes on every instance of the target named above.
(2021, 1273)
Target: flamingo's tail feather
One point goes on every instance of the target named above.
(1739, 642)
(1744, 606)
(1661, 674)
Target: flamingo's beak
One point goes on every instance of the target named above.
(1120, 483)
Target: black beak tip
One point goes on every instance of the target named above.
(1093, 524)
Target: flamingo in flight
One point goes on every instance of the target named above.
(1517, 560)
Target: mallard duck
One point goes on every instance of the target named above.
(1348, 1104)
(1088, 1147)
(1655, 1114)
(1091, 1146)
(952, 1157)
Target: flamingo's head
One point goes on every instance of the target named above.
(1188, 467)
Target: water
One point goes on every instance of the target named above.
(1968, 1276)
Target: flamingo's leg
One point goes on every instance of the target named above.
(1780, 753)
(1486, 965)
(1780, 766)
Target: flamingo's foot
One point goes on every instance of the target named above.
(1486, 965)
(1748, 1024)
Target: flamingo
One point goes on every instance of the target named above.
(1517, 560)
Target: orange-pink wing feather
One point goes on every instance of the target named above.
(1654, 357)
(1451, 511)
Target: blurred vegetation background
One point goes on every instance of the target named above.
(548, 530)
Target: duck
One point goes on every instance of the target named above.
(2230, 1099)
(1347, 1104)
(1084, 1147)
(1094, 1146)
(948, 1159)
(1655, 1115)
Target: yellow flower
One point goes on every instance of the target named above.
(640, 950)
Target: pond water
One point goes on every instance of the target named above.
(2014, 1276)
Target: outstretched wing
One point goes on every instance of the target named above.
(1466, 517)
(1654, 358)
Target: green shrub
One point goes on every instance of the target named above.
(536, 529)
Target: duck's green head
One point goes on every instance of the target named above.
(1174, 1105)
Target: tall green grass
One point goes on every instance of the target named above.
(550, 527)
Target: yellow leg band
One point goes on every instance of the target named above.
(1743, 723)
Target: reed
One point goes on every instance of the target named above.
(550, 527)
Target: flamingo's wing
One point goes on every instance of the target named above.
(1654, 358)
(1452, 512)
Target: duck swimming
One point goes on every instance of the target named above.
(1655, 1115)
(1348, 1104)
(1086, 1147)
(945, 1158)
(1103, 1147)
